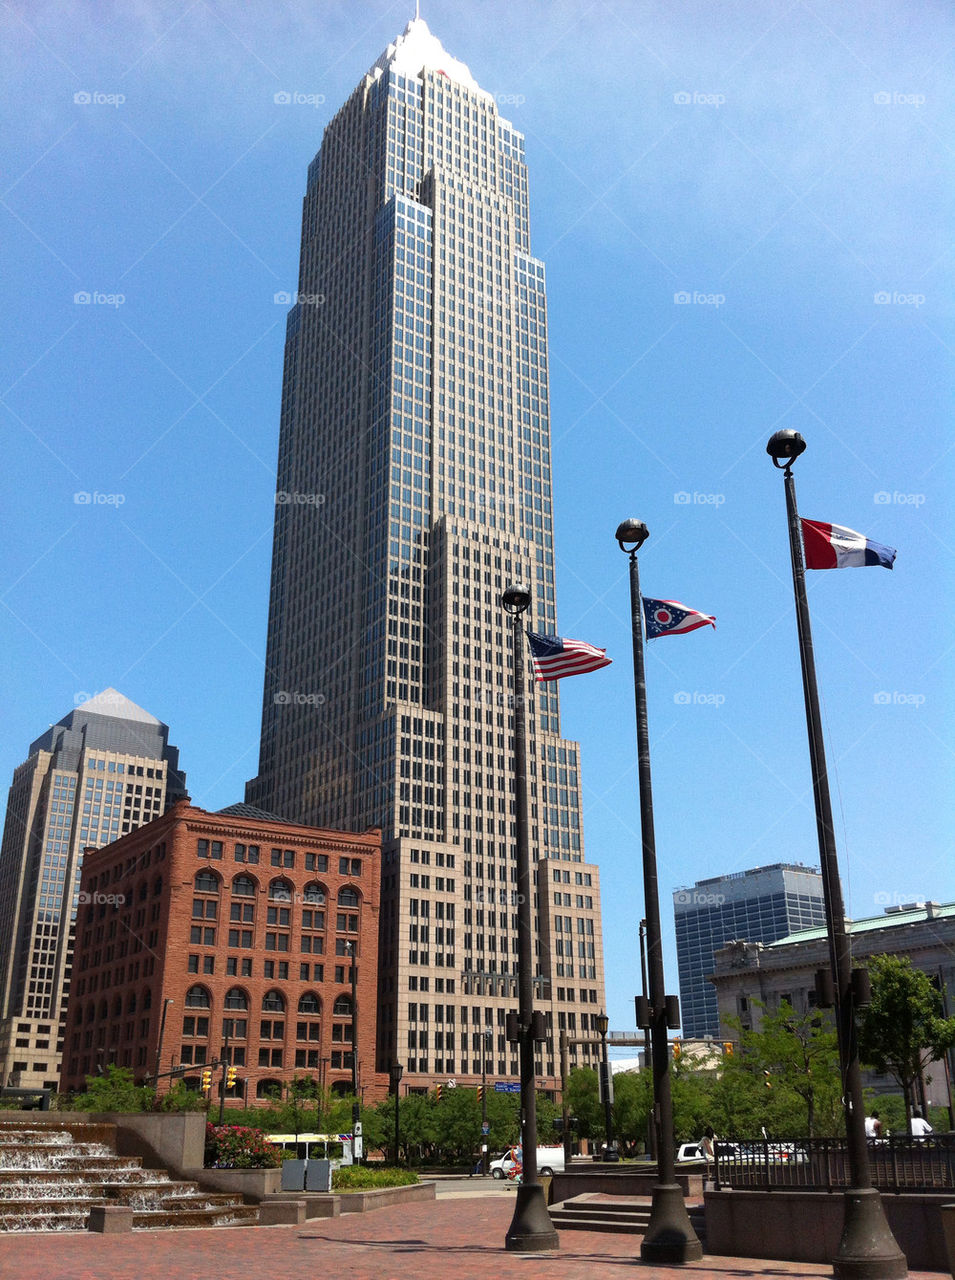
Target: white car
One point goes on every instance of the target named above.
(693, 1151)
(550, 1160)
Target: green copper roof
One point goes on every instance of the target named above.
(914, 916)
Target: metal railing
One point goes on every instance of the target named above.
(822, 1164)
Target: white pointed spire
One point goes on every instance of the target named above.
(416, 49)
(113, 703)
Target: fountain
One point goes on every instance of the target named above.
(50, 1179)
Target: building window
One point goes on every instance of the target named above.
(273, 1002)
(197, 998)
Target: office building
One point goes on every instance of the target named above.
(760, 905)
(100, 772)
(414, 485)
(228, 937)
(749, 977)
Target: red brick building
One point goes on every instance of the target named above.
(205, 927)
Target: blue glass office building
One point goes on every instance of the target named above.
(760, 905)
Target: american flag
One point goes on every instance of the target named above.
(554, 658)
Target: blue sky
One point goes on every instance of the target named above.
(745, 213)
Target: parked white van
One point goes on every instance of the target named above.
(549, 1160)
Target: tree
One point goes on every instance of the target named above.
(583, 1095)
(903, 1030)
(114, 1090)
(632, 1102)
(785, 1079)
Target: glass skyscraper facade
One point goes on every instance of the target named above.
(413, 486)
(102, 771)
(760, 905)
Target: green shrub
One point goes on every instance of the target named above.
(114, 1090)
(358, 1177)
(179, 1098)
(233, 1146)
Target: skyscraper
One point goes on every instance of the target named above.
(413, 486)
(760, 905)
(103, 770)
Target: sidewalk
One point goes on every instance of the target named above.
(431, 1241)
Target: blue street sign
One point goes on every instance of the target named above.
(507, 1086)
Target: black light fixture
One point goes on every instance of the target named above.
(395, 1072)
(602, 1025)
(531, 1230)
(867, 1249)
(669, 1238)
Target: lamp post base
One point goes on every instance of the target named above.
(868, 1249)
(670, 1238)
(531, 1230)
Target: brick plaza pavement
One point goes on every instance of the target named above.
(433, 1240)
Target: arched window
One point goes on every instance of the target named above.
(131, 1002)
(206, 882)
(280, 891)
(343, 1006)
(273, 1002)
(268, 1089)
(243, 887)
(117, 1006)
(147, 999)
(235, 998)
(309, 1003)
(348, 897)
(198, 998)
(103, 1010)
(314, 894)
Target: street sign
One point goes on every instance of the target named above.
(507, 1086)
(485, 1128)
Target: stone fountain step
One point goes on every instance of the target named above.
(121, 1177)
(50, 1182)
(222, 1216)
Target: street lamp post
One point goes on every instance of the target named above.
(531, 1230)
(602, 1022)
(867, 1250)
(488, 1034)
(642, 933)
(395, 1074)
(162, 1032)
(669, 1238)
(357, 1151)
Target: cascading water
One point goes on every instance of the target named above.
(49, 1182)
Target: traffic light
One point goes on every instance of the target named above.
(480, 1092)
(677, 1049)
(206, 1079)
(230, 1077)
(728, 1048)
(437, 1093)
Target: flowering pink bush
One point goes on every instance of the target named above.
(235, 1146)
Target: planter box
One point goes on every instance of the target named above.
(806, 1226)
(253, 1185)
(380, 1198)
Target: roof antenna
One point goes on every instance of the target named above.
(417, 10)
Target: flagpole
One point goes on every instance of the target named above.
(531, 1229)
(867, 1250)
(669, 1238)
